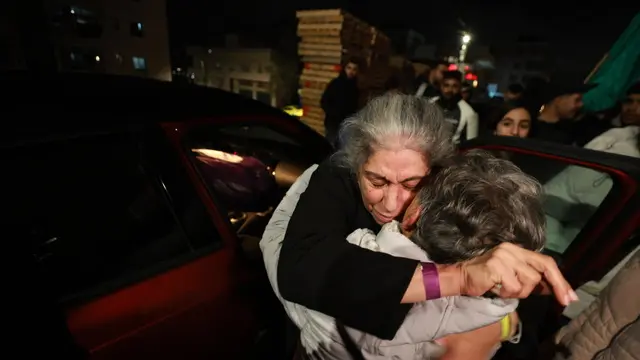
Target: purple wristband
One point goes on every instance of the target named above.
(431, 281)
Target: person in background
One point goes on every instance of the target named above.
(466, 92)
(431, 87)
(340, 99)
(561, 104)
(514, 92)
(625, 113)
(630, 109)
(574, 194)
(510, 119)
(393, 84)
(461, 116)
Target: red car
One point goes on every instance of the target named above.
(142, 203)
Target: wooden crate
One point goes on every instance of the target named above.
(315, 122)
(327, 39)
(331, 30)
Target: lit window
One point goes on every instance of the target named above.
(139, 63)
(136, 29)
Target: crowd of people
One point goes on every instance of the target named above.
(542, 110)
(398, 247)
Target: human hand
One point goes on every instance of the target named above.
(513, 272)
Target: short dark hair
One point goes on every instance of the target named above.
(392, 83)
(441, 62)
(473, 202)
(515, 89)
(353, 60)
(452, 74)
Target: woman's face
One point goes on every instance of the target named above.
(516, 122)
(389, 181)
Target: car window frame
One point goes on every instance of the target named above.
(285, 125)
(622, 199)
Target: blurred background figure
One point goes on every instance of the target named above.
(393, 84)
(340, 99)
(510, 119)
(514, 92)
(431, 87)
(457, 111)
(466, 91)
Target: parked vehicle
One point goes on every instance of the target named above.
(130, 194)
(142, 203)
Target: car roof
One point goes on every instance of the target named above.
(82, 92)
(36, 104)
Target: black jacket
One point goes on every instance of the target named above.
(339, 101)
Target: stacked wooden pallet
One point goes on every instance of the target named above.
(379, 69)
(328, 38)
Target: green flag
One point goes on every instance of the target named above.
(619, 70)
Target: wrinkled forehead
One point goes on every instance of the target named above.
(396, 165)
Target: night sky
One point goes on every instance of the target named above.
(577, 28)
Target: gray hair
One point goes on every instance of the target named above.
(473, 204)
(391, 118)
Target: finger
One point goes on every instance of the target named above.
(543, 288)
(510, 285)
(547, 266)
(527, 276)
(529, 279)
(552, 274)
(502, 266)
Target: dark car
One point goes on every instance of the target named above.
(142, 203)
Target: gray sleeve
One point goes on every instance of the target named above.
(471, 313)
(434, 319)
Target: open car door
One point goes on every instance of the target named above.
(592, 209)
(592, 201)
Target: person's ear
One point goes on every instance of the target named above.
(411, 217)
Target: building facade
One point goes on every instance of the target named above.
(520, 61)
(122, 37)
(260, 74)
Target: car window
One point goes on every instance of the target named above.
(573, 194)
(98, 209)
(247, 168)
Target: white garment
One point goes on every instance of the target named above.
(425, 322)
(576, 189)
(468, 120)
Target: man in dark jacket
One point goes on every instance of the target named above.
(431, 87)
(561, 104)
(340, 100)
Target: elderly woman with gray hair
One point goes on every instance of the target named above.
(388, 149)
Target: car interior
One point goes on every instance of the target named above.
(247, 173)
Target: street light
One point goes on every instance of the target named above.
(466, 39)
